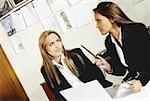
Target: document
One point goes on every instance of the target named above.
(122, 91)
(58, 5)
(42, 9)
(90, 91)
(18, 20)
(73, 2)
(81, 14)
(50, 24)
(29, 15)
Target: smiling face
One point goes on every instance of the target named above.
(54, 45)
(103, 23)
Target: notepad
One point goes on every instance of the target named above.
(119, 90)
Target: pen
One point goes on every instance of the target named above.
(129, 83)
(90, 52)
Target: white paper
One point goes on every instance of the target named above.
(18, 20)
(73, 2)
(42, 8)
(81, 15)
(58, 5)
(65, 20)
(50, 24)
(29, 14)
(123, 90)
(90, 91)
(17, 44)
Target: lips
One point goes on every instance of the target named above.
(57, 50)
(100, 29)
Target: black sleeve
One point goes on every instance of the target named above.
(90, 70)
(142, 39)
(117, 68)
(54, 90)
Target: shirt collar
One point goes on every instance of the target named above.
(62, 61)
(120, 38)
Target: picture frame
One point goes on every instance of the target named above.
(15, 3)
(65, 21)
(5, 7)
(8, 25)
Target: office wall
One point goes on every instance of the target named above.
(27, 64)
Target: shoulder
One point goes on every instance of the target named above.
(76, 53)
(135, 29)
(108, 40)
(42, 70)
(75, 50)
(137, 26)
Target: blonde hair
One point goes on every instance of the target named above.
(47, 58)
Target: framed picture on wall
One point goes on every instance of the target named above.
(65, 20)
(15, 3)
(8, 26)
(5, 7)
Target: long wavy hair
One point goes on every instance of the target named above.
(47, 58)
(112, 11)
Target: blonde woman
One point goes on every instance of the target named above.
(63, 69)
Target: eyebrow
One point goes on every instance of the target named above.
(98, 19)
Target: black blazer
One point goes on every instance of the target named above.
(136, 50)
(87, 70)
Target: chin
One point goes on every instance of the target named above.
(58, 53)
(103, 33)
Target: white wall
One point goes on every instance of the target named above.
(27, 64)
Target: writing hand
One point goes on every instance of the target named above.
(136, 85)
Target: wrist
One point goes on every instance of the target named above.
(109, 70)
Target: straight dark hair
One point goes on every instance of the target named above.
(112, 11)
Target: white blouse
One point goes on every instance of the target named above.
(119, 50)
(69, 76)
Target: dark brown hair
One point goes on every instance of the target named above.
(112, 11)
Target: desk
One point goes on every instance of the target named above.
(93, 91)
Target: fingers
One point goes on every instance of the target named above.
(100, 57)
(98, 62)
(136, 85)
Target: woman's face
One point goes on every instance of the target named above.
(54, 45)
(103, 23)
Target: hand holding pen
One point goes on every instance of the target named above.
(99, 61)
(102, 63)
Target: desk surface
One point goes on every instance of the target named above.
(93, 91)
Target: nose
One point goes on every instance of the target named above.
(97, 25)
(56, 45)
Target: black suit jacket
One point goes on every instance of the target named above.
(87, 70)
(136, 50)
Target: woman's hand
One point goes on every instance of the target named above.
(135, 86)
(102, 63)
